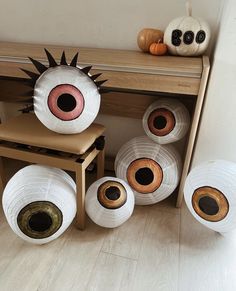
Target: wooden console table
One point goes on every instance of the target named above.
(126, 71)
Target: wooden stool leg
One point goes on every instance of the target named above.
(2, 176)
(100, 164)
(80, 186)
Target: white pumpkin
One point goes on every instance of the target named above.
(187, 35)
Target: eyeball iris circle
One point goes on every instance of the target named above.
(66, 102)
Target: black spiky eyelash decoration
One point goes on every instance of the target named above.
(41, 68)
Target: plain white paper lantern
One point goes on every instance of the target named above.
(187, 35)
(152, 170)
(39, 203)
(210, 194)
(109, 202)
(166, 121)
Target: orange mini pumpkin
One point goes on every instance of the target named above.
(158, 49)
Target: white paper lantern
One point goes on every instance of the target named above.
(66, 97)
(210, 194)
(187, 35)
(152, 170)
(39, 203)
(66, 100)
(166, 121)
(109, 202)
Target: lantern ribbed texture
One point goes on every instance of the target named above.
(180, 126)
(165, 155)
(103, 216)
(59, 75)
(220, 175)
(39, 183)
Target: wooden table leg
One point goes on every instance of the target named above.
(80, 197)
(2, 176)
(100, 164)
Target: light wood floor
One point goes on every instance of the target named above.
(159, 248)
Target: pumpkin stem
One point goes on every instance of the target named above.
(188, 6)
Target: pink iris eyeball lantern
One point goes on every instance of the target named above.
(66, 98)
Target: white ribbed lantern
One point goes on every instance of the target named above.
(66, 100)
(210, 194)
(39, 203)
(109, 202)
(166, 121)
(152, 170)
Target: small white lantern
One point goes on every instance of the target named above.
(109, 202)
(166, 121)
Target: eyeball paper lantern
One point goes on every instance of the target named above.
(151, 170)
(39, 203)
(209, 193)
(66, 98)
(166, 121)
(187, 35)
(109, 202)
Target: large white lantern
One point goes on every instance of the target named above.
(39, 203)
(187, 35)
(210, 194)
(152, 170)
(66, 98)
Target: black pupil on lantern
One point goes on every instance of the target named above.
(40, 221)
(144, 176)
(160, 122)
(208, 205)
(66, 102)
(112, 193)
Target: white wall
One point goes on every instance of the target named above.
(217, 134)
(103, 23)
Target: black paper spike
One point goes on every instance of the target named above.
(32, 75)
(74, 60)
(51, 60)
(94, 77)
(27, 109)
(104, 90)
(29, 82)
(39, 66)
(63, 59)
(99, 83)
(86, 69)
